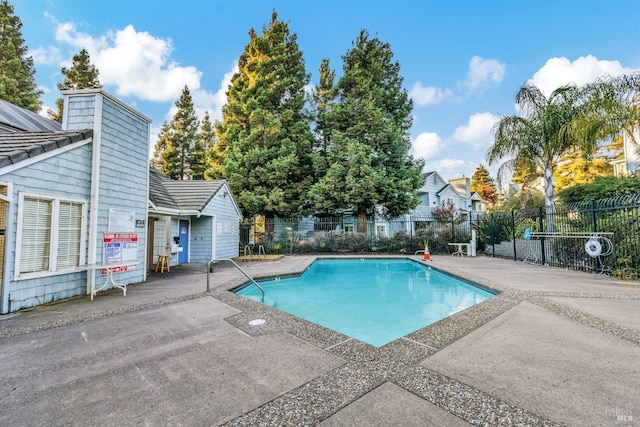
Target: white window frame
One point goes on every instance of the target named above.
(54, 243)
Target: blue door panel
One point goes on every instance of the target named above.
(183, 256)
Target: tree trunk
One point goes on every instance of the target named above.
(269, 222)
(550, 198)
(362, 222)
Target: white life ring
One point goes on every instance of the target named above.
(593, 248)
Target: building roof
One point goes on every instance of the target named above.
(19, 146)
(16, 119)
(182, 196)
(447, 187)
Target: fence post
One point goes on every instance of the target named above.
(594, 228)
(411, 230)
(540, 218)
(453, 231)
(513, 235)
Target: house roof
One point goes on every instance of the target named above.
(16, 119)
(425, 177)
(476, 196)
(446, 187)
(189, 197)
(19, 146)
(25, 135)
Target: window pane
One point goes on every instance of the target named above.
(69, 222)
(36, 235)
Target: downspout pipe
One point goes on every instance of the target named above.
(95, 192)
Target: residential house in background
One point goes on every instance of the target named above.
(628, 162)
(191, 221)
(435, 192)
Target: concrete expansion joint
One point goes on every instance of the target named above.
(420, 344)
(589, 320)
(42, 326)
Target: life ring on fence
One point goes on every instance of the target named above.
(593, 247)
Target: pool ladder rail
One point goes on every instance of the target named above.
(238, 267)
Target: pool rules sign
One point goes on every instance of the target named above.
(118, 248)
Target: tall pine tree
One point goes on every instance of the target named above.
(173, 154)
(322, 100)
(81, 75)
(265, 137)
(17, 73)
(205, 140)
(369, 162)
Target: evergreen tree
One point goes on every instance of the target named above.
(161, 146)
(322, 100)
(17, 72)
(265, 137)
(483, 184)
(81, 75)
(205, 139)
(173, 152)
(216, 154)
(368, 138)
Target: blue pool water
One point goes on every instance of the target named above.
(372, 300)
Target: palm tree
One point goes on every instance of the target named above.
(571, 117)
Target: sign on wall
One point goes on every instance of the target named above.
(118, 248)
(122, 220)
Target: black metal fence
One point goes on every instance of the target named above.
(563, 237)
(350, 235)
(602, 236)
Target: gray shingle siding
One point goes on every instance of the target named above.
(83, 108)
(124, 143)
(41, 178)
(200, 244)
(226, 233)
(58, 164)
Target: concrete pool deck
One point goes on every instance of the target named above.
(556, 347)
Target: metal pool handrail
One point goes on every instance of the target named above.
(238, 267)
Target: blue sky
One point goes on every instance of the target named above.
(461, 60)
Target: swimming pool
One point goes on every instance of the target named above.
(372, 300)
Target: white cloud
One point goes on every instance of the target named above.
(483, 71)
(66, 32)
(426, 145)
(557, 72)
(428, 95)
(135, 63)
(211, 102)
(139, 64)
(46, 55)
(477, 132)
(453, 168)
(480, 74)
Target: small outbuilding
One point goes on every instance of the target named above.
(78, 202)
(191, 221)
